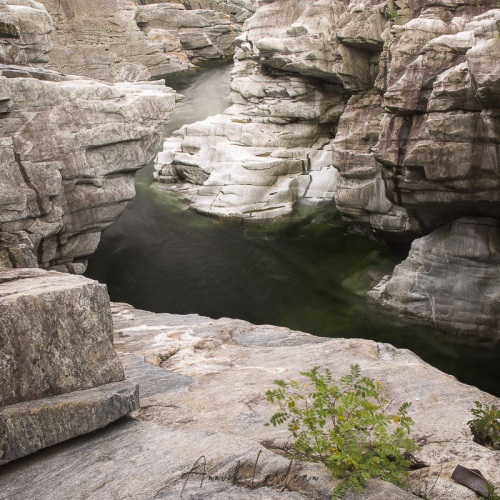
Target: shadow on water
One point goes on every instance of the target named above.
(308, 274)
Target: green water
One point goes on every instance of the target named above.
(308, 274)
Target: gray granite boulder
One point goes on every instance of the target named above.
(450, 280)
(60, 374)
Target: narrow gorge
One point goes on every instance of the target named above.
(347, 187)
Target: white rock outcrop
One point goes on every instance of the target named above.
(69, 147)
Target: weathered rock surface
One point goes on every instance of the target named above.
(25, 29)
(269, 149)
(397, 122)
(450, 280)
(202, 384)
(31, 426)
(240, 10)
(42, 316)
(70, 148)
(120, 40)
(440, 130)
(60, 374)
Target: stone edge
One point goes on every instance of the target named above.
(28, 427)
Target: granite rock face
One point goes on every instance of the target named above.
(239, 10)
(203, 386)
(449, 273)
(269, 150)
(25, 32)
(121, 40)
(440, 131)
(397, 123)
(245, 163)
(70, 148)
(296, 67)
(60, 374)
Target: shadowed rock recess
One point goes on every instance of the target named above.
(388, 109)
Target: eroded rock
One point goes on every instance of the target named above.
(391, 109)
(25, 28)
(70, 148)
(450, 280)
(121, 40)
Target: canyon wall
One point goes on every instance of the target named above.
(122, 40)
(70, 148)
(388, 109)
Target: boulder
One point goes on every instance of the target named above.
(450, 280)
(60, 374)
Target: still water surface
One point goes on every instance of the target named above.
(309, 274)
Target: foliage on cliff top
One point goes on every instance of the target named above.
(486, 424)
(345, 425)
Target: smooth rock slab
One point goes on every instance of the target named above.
(29, 427)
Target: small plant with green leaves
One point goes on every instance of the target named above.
(347, 426)
(492, 492)
(486, 424)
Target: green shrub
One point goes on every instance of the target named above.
(492, 492)
(345, 425)
(486, 424)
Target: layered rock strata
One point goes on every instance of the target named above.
(296, 68)
(410, 143)
(203, 386)
(24, 32)
(60, 374)
(246, 163)
(448, 274)
(271, 148)
(121, 40)
(70, 148)
(239, 10)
